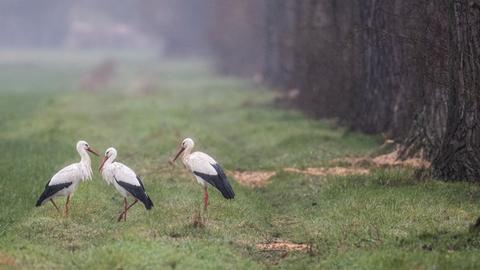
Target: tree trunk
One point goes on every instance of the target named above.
(459, 155)
(373, 112)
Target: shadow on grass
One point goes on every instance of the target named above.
(443, 241)
(189, 230)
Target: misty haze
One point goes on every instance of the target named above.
(252, 134)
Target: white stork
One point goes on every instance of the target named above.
(125, 181)
(65, 182)
(205, 169)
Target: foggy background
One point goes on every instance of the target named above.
(168, 27)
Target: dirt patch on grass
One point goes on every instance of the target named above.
(281, 245)
(340, 171)
(253, 178)
(353, 162)
(6, 260)
(392, 159)
(342, 167)
(386, 160)
(256, 179)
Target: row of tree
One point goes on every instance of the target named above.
(409, 69)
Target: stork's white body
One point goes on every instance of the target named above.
(199, 162)
(121, 172)
(65, 181)
(205, 170)
(74, 173)
(125, 181)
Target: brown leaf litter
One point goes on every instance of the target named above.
(340, 171)
(256, 179)
(253, 178)
(342, 167)
(392, 159)
(281, 245)
(6, 260)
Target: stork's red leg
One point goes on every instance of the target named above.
(126, 209)
(129, 208)
(56, 207)
(66, 205)
(122, 215)
(125, 214)
(205, 199)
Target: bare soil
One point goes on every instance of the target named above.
(282, 245)
(253, 178)
(6, 260)
(340, 171)
(392, 159)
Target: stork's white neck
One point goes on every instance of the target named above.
(109, 160)
(186, 152)
(85, 158)
(85, 164)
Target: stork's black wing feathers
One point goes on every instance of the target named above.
(141, 184)
(219, 181)
(138, 192)
(140, 181)
(50, 191)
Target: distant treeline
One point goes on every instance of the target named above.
(409, 69)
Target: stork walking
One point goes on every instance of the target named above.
(125, 181)
(65, 182)
(206, 171)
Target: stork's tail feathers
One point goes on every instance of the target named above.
(227, 191)
(147, 202)
(219, 181)
(144, 196)
(40, 200)
(223, 185)
(51, 191)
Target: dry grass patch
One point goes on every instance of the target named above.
(392, 159)
(256, 179)
(282, 245)
(340, 171)
(6, 260)
(342, 167)
(253, 178)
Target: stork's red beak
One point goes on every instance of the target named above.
(102, 163)
(91, 150)
(179, 152)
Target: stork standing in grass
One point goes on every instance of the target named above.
(65, 182)
(125, 181)
(205, 169)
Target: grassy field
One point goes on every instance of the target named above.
(384, 220)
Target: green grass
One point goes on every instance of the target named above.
(383, 220)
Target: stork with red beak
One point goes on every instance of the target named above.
(205, 169)
(65, 182)
(125, 181)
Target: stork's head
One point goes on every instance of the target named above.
(110, 155)
(186, 144)
(83, 146)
